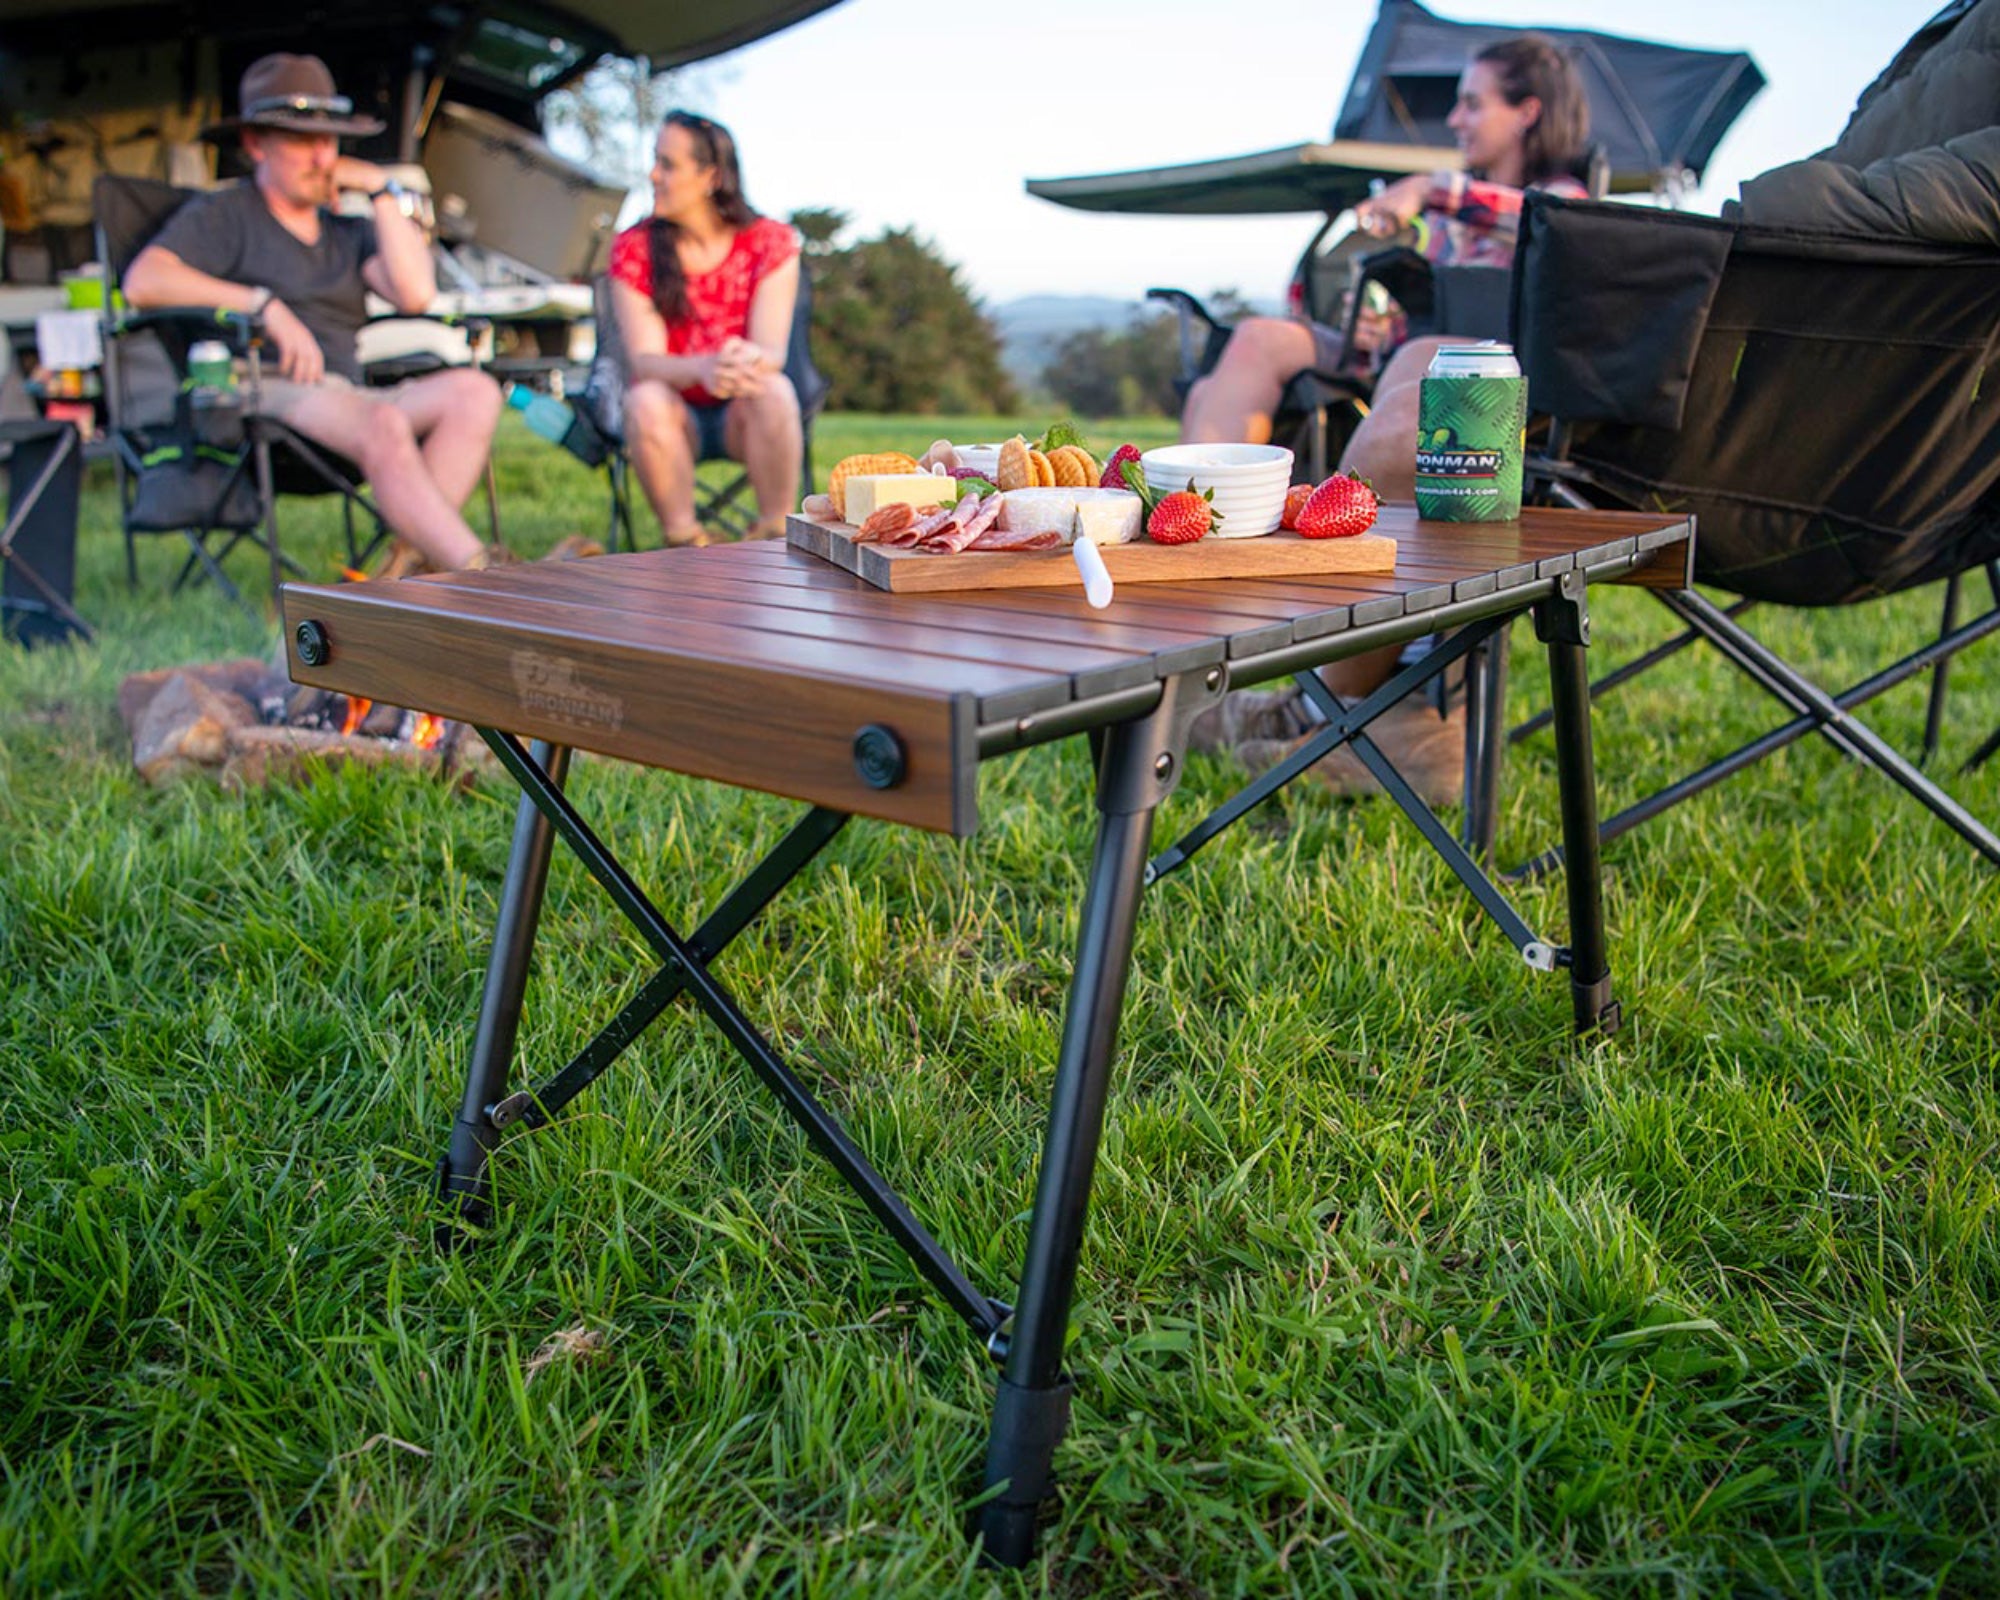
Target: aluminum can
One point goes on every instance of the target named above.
(210, 365)
(1472, 419)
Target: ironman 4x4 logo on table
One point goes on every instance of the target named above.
(549, 686)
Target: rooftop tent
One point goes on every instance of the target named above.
(1657, 109)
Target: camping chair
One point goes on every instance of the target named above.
(602, 404)
(1319, 411)
(212, 474)
(44, 463)
(1814, 400)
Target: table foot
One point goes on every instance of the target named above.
(1028, 1424)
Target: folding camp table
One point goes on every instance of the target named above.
(766, 668)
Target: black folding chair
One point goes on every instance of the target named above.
(210, 473)
(38, 540)
(602, 404)
(1814, 400)
(1319, 410)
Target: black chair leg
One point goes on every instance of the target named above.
(492, 501)
(267, 493)
(1940, 676)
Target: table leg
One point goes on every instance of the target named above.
(462, 1174)
(1485, 744)
(1031, 1410)
(1563, 624)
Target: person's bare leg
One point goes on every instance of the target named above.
(378, 437)
(453, 415)
(1384, 447)
(660, 438)
(763, 431)
(1235, 402)
(1384, 451)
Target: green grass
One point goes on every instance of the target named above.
(1389, 1287)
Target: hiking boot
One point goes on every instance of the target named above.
(1246, 715)
(1427, 749)
(405, 561)
(491, 555)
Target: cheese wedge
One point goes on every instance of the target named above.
(1103, 516)
(870, 494)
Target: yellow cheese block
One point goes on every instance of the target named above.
(866, 495)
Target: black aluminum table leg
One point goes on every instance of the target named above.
(1563, 624)
(463, 1176)
(1485, 742)
(1031, 1410)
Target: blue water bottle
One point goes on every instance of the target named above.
(558, 422)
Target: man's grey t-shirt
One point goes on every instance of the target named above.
(231, 234)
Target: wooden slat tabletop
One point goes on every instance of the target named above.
(758, 665)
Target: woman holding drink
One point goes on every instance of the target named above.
(1522, 122)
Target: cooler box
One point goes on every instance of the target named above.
(520, 197)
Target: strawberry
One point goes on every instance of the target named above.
(1295, 502)
(1114, 469)
(1339, 508)
(1180, 518)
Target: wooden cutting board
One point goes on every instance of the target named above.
(1274, 555)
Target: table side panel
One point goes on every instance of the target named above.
(780, 731)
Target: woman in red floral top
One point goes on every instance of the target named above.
(704, 291)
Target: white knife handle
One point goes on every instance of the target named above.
(1096, 576)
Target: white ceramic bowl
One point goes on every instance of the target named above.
(1249, 481)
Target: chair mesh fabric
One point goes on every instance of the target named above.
(1822, 404)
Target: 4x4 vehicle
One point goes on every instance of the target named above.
(88, 87)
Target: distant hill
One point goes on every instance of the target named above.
(1032, 327)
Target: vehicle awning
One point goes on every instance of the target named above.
(1299, 177)
(671, 34)
(668, 33)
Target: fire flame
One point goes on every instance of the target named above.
(427, 731)
(357, 708)
(354, 574)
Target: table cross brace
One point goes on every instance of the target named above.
(685, 970)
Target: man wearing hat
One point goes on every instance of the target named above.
(272, 247)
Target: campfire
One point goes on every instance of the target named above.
(246, 723)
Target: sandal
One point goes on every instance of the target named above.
(691, 537)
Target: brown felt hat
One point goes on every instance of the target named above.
(295, 93)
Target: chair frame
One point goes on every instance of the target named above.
(255, 456)
(1812, 708)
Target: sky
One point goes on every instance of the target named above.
(916, 113)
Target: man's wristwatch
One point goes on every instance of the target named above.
(393, 189)
(260, 301)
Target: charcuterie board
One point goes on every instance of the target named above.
(1275, 555)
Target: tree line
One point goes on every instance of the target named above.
(895, 329)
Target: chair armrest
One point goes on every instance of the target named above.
(1187, 312)
(234, 328)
